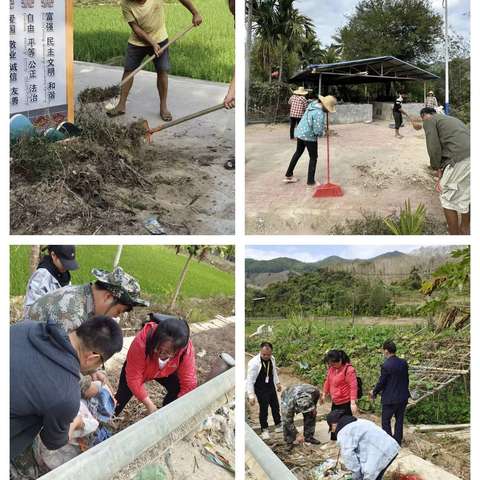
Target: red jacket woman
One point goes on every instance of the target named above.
(161, 351)
(340, 383)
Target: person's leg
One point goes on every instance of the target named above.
(263, 400)
(296, 156)
(124, 393)
(465, 224)
(397, 116)
(293, 124)
(133, 59)
(312, 148)
(452, 221)
(399, 418)
(162, 66)
(309, 423)
(172, 385)
(387, 414)
(275, 407)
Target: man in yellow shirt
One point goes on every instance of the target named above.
(149, 34)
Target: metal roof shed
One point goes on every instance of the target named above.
(368, 70)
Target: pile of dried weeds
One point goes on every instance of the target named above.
(98, 94)
(80, 178)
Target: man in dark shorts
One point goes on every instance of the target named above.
(149, 34)
(397, 114)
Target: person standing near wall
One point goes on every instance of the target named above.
(298, 104)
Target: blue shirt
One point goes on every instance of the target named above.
(312, 124)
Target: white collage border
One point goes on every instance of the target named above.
(239, 239)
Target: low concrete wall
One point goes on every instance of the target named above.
(383, 110)
(352, 113)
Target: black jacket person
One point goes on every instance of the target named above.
(45, 366)
(393, 385)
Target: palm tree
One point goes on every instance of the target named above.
(331, 54)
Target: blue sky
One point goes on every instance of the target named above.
(329, 15)
(313, 253)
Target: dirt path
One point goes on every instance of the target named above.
(377, 173)
(448, 452)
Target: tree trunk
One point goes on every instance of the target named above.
(34, 257)
(180, 282)
(116, 261)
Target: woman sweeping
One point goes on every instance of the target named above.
(162, 351)
(340, 384)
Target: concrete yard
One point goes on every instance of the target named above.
(376, 171)
(204, 143)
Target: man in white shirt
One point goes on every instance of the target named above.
(263, 383)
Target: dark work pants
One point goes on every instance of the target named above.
(382, 473)
(124, 393)
(268, 399)
(293, 123)
(396, 410)
(348, 411)
(309, 423)
(312, 148)
(397, 116)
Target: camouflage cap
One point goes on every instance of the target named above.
(122, 286)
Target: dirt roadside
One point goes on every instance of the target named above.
(377, 172)
(452, 452)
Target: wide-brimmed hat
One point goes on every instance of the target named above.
(300, 91)
(430, 92)
(122, 286)
(329, 102)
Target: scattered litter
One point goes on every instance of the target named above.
(201, 353)
(217, 459)
(154, 227)
(151, 472)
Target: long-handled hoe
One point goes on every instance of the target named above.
(163, 126)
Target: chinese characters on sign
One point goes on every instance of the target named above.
(38, 70)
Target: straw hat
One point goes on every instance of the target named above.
(430, 92)
(300, 91)
(329, 102)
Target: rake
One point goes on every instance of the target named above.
(164, 126)
(328, 189)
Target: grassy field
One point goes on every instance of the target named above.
(156, 267)
(101, 34)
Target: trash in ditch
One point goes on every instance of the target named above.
(151, 472)
(154, 227)
(217, 459)
(329, 469)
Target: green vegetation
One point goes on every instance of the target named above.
(156, 267)
(409, 223)
(207, 52)
(409, 30)
(323, 292)
(302, 345)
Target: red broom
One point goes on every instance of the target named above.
(328, 189)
